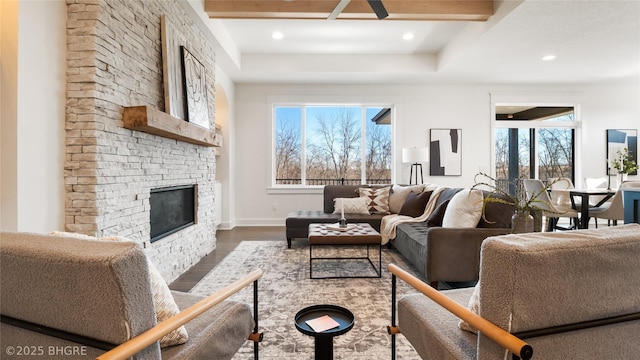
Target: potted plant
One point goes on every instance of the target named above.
(527, 215)
(624, 164)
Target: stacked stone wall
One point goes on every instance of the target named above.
(114, 60)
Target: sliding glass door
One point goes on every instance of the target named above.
(536, 149)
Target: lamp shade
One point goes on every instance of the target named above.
(415, 155)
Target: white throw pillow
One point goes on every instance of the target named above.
(464, 210)
(399, 195)
(357, 205)
(474, 300)
(165, 305)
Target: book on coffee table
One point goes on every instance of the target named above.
(336, 226)
(322, 323)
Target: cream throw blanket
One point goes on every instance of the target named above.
(389, 222)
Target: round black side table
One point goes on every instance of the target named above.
(324, 340)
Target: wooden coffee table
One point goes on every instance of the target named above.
(355, 234)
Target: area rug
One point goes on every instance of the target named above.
(286, 288)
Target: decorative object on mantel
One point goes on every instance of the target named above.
(527, 216)
(415, 156)
(172, 68)
(156, 122)
(195, 89)
(446, 152)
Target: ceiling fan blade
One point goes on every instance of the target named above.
(378, 8)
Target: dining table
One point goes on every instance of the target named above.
(584, 195)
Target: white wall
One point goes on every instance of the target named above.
(418, 109)
(225, 164)
(32, 168)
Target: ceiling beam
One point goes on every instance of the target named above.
(467, 10)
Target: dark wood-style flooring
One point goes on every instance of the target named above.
(227, 240)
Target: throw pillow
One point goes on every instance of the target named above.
(378, 199)
(464, 210)
(415, 204)
(355, 205)
(435, 218)
(399, 195)
(474, 300)
(163, 301)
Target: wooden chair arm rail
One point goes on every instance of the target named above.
(140, 342)
(487, 328)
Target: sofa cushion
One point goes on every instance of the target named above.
(432, 330)
(217, 333)
(464, 210)
(474, 302)
(496, 214)
(331, 192)
(399, 195)
(358, 205)
(435, 218)
(415, 204)
(378, 199)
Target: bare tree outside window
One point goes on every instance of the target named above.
(288, 161)
(333, 139)
(333, 143)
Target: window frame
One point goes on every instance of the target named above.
(273, 187)
(534, 127)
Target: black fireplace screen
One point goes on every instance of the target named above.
(172, 209)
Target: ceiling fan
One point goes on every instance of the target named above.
(376, 5)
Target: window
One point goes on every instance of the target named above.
(535, 148)
(332, 144)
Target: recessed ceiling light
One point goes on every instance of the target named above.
(277, 35)
(408, 36)
(548, 57)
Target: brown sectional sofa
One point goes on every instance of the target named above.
(439, 254)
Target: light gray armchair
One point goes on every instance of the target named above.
(560, 295)
(61, 291)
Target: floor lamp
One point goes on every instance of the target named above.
(415, 156)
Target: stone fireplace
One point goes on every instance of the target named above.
(114, 60)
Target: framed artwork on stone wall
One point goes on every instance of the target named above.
(195, 89)
(172, 39)
(445, 152)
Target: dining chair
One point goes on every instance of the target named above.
(535, 189)
(613, 210)
(595, 183)
(559, 189)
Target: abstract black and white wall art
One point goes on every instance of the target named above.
(195, 88)
(445, 149)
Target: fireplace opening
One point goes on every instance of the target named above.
(172, 209)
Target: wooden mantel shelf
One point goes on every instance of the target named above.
(156, 122)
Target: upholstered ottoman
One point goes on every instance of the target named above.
(353, 235)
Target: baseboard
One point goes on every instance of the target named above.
(261, 222)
